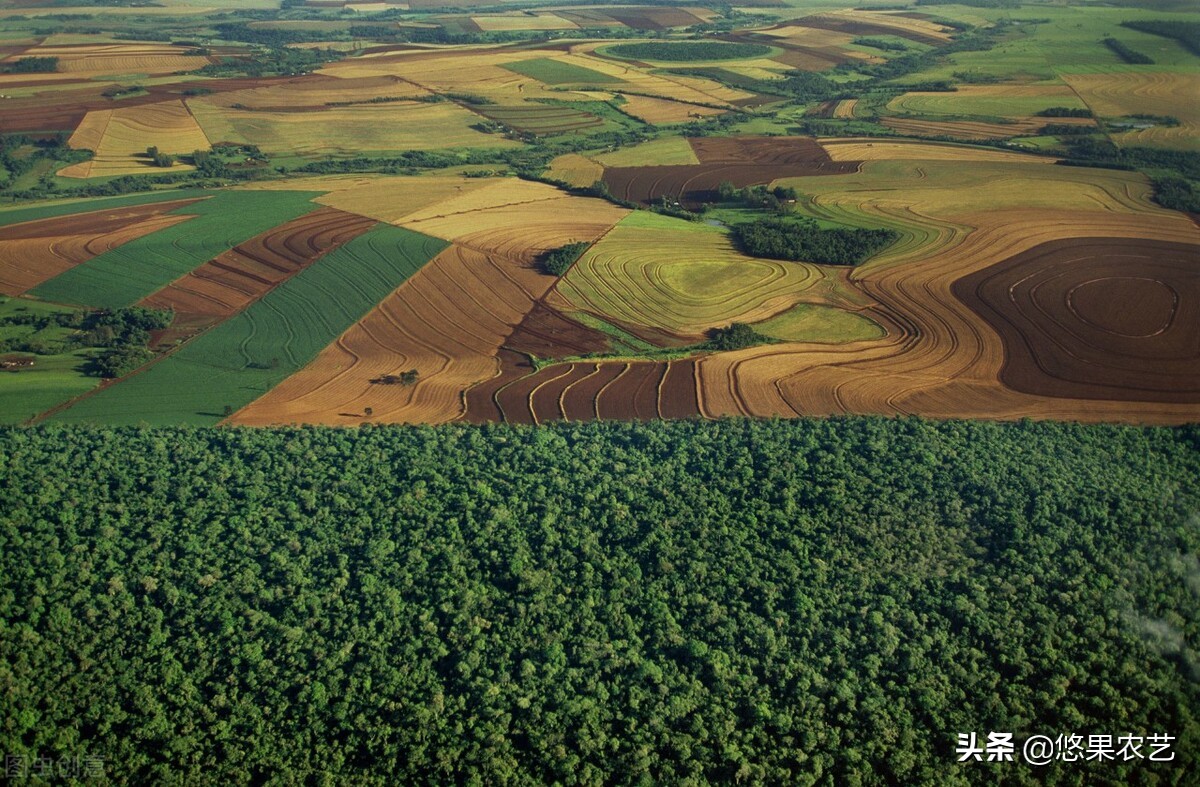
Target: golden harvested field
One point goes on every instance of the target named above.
(520, 230)
(845, 109)
(940, 359)
(447, 322)
(392, 198)
(119, 138)
(963, 129)
(663, 111)
(575, 170)
(317, 92)
(523, 21)
(670, 86)
(681, 277)
(1163, 93)
(397, 126)
(875, 149)
(96, 60)
(656, 152)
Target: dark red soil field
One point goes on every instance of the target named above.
(634, 394)
(581, 391)
(580, 404)
(545, 333)
(651, 18)
(677, 397)
(743, 161)
(1096, 318)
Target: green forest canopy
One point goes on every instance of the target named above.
(812, 601)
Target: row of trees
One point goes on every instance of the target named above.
(756, 602)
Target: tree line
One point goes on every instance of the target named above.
(738, 601)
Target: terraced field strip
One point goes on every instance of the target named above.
(875, 149)
(35, 251)
(246, 356)
(542, 119)
(637, 274)
(447, 322)
(224, 286)
(130, 272)
(963, 129)
(663, 111)
(81, 207)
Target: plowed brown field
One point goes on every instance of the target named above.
(743, 161)
(1102, 318)
(226, 285)
(36, 251)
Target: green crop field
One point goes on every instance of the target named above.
(556, 72)
(814, 323)
(244, 357)
(128, 273)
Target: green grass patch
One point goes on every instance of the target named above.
(130, 272)
(808, 322)
(688, 51)
(54, 378)
(556, 72)
(241, 359)
(622, 341)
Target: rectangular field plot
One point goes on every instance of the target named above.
(238, 361)
(127, 274)
(398, 126)
(556, 72)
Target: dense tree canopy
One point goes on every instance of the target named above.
(821, 601)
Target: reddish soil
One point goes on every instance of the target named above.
(545, 399)
(230, 282)
(1096, 318)
(633, 395)
(545, 333)
(651, 18)
(695, 184)
(744, 161)
(677, 395)
(580, 401)
(481, 400)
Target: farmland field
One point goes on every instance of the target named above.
(488, 392)
(244, 357)
(135, 269)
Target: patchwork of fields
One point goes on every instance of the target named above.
(360, 234)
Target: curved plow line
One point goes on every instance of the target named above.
(562, 397)
(529, 399)
(605, 387)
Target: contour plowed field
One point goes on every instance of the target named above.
(448, 321)
(226, 284)
(585, 391)
(120, 137)
(36, 251)
(1096, 318)
(545, 333)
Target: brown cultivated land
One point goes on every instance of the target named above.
(36, 251)
(1096, 318)
(743, 161)
(227, 284)
(447, 321)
